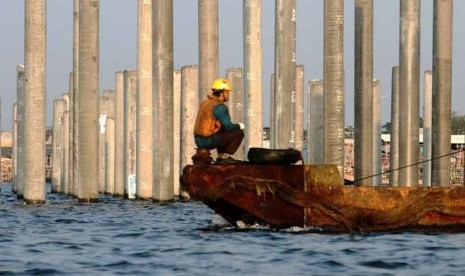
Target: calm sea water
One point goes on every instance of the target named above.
(125, 237)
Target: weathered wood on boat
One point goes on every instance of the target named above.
(313, 196)
(250, 206)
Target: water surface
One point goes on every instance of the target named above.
(122, 237)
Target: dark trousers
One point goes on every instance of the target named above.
(230, 141)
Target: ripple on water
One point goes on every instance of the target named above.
(128, 235)
(385, 264)
(44, 271)
(142, 254)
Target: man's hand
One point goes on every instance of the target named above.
(241, 126)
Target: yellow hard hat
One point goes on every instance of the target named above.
(221, 84)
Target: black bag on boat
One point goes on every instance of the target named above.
(273, 156)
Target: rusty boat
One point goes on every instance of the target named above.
(287, 194)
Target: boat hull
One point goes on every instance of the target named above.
(246, 205)
(314, 196)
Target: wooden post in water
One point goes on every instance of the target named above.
(189, 108)
(409, 97)
(442, 90)
(208, 45)
(427, 127)
(284, 69)
(163, 89)
(176, 131)
(20, 94)
(57, 155)
(316, 138)
(35, 56)
(119, 134)
(394, 144)
(144, 144)
(252, 75)
(333, 78)
(130, 128)
(363, 90)
(87, 103)
(377, 179)
(236, 103)
(299, 107)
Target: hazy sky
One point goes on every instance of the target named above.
(118, 45)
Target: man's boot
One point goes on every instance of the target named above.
(202, 157)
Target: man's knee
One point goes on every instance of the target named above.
(240, 133)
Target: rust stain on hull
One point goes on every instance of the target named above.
(313, 196)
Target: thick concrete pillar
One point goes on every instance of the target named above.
(130, 128)
(110, 100)
(65, 182)
(110, 156)
(409, 97)
(427, 127)
(119, 134)
(377, 179)
(236, 103)
(272, 112)
(14, 153)
(189, 108)
(20, 95)
(334, 82)
(176, 131)
(299, 107)
(442, 90)
(35, 56)
(163, 89)
(68, 137)
(363, 88)
(103, 113)
(144, 151)
(252, 88)
(73, 114)
(208, 45)
(86, 161)
(394, 144)
(57, 161)
(316, 138)
(110, 142)
(284, 69)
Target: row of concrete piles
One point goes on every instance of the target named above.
(138, 143)
(405, 100)
(135, 153)
(404, 170)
